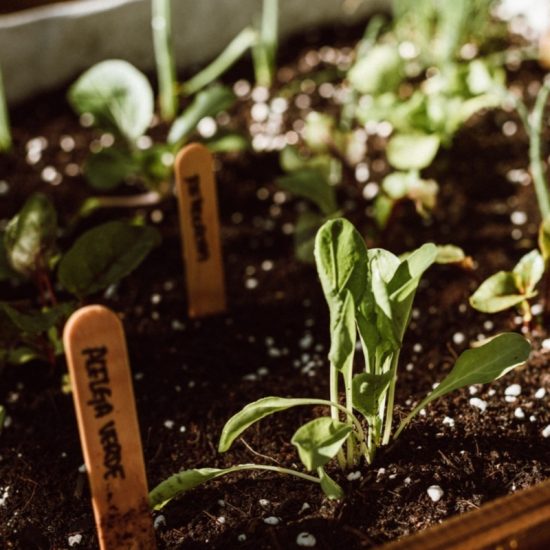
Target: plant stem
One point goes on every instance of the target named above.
(5, 133)
(235, 49)
(535, 161)
(334, 409)
(164, 58)
(265, 51)
(391, 399)
(277, 469)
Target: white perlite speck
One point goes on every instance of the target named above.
(478, 403)
(546, 344)
(160, 521)
(458, 338)
(4, 496)
(518, 413)
(448, 421)
(352, 476)
(306, 539)
(272, 520)
(263, 502)
(75, 539)
(540, 393)
(241, 537)
(514, 390)
(546, 431)
(435, 492)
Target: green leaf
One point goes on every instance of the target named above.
(497, 293)
(449, 254)
(7, 272)
(412, 151)
(118, 96)
(479, 366)
(109, 168)
(368, 391)
(529, 271)
(252, 413)
(307, 225)
(343, 333)
(383, 207)
(264, 52)
(310, 184)
(331, 489)
(31, 235)
(341, 258)
(209, 102)
(182, 482)
(379, 70)
(544, 239)
(318, 131)
(319, 440)
(37, 322)
(21, 355)
(104, 255)
(228, 143)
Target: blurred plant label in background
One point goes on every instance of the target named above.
(97, 358)
(200, 231)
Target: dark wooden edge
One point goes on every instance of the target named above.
(518, 521)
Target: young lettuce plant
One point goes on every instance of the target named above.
(370, 295)
(30, 251)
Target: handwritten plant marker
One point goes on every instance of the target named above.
(109, 432)
(200, 230)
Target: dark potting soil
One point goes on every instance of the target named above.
(191, 376)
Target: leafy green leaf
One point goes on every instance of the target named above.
(31, 235)
(252, 413)
(118, 96)
(318, 131)
(343, 333)
(264, 52)
(412, 151)
(331, 489)
(379, 70)
(449, 254)
(104, 255)
(368, 390)
(497, 293)
(109, 168)
(7, 272)
(307, 225)
(319, 440)
(529, 271)
(37, 322)
(310, 184)
(182, 482)
(209, 102)
(227, 143)
(479, 366)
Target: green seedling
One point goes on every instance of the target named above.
(370, 295)
(161, 24)
(264, 52)
(5, 132)
(30, 252)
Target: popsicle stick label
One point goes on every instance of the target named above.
(200, 230)
(97, 357)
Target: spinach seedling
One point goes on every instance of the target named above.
(30, 251)
(5, 132)
(369, 295)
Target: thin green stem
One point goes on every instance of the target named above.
(235, 49)
(535, 160)
(391, 399)
(334, 409)
(5, 132)
(277, 469)
(164, 58)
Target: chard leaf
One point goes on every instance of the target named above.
(104, 255)
(231, 142)
(209, 102)
(529, 271)
(412, 151)
(31, 235)
(37, 322)
(118, 96)
(21, 355)
(252, 413)
(479, 366)
(7, 272)
(368, 391)
(343, 333)
(331, 489)
(341, 258)
(544, 239)
(180, 483)
(497, 293)
(109, 168)
(310, 184)
(379, 70)
(319, 440)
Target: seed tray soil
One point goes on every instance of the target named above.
(190, 376)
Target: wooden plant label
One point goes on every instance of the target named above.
(95, 347)
(200, 230)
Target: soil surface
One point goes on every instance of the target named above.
(190, 376)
